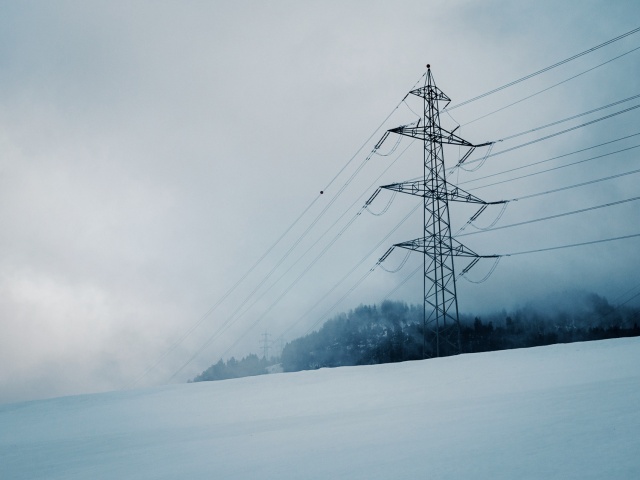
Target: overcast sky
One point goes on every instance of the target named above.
(152, 152)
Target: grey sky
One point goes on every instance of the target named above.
(150, 153)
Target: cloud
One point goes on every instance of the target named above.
(151, 153)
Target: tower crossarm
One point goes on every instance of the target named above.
(427, 245)
(449, 193)
(440, 135)
(431, 93)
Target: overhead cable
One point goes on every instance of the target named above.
(370, 137)
(592, 242)
(401, 284)
(590, 182)
(546, 69)
(573, 117)
(192, 328)
(236, 315)
(550, 217)
(555, 168)
(551, 159)
(232, 319)
(487, 276)
(561, 132)
(199, 322)
(348, 274)
(548, 88)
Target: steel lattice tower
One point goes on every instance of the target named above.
(441, 321)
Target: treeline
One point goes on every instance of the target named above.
(247, 367)
(393, 332)
(364, 336)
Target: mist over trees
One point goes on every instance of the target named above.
(366, 335)
(393, 332)
(247, 367)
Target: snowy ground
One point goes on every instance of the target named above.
(563, 411)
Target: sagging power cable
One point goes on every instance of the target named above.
(386, 207)
(486, 277)
(478, 213)
(393, 149)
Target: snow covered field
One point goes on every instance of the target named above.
(563, 411)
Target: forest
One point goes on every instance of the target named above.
(393, 332)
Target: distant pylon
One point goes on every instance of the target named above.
(441, 323)
(265, 345)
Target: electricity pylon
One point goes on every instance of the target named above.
(441, 323)
(265, 345)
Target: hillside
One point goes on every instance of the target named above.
(560, 411)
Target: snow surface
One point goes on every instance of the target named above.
(562, 411)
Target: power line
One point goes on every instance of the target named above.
(359, 168)
(550, 217)
(555, 168)
(231, 319)
(199, 322)
(277, 265)
(564, 188)
(348, 292)
(335, 238)
(548, 88)
(416, 270)
(569, 187)
(371, 136)
(555, 123)
(593, 242)
(573, 117)
(337, 284)
(561, 132)
(551, 191)
(235, 315)
(552, 158)
(401, 284)
(590, 182)
(546, 69)
(268, 251)
(489, 154)
(627, 292)
(628, 300)
(321, 214)
(367, 255)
